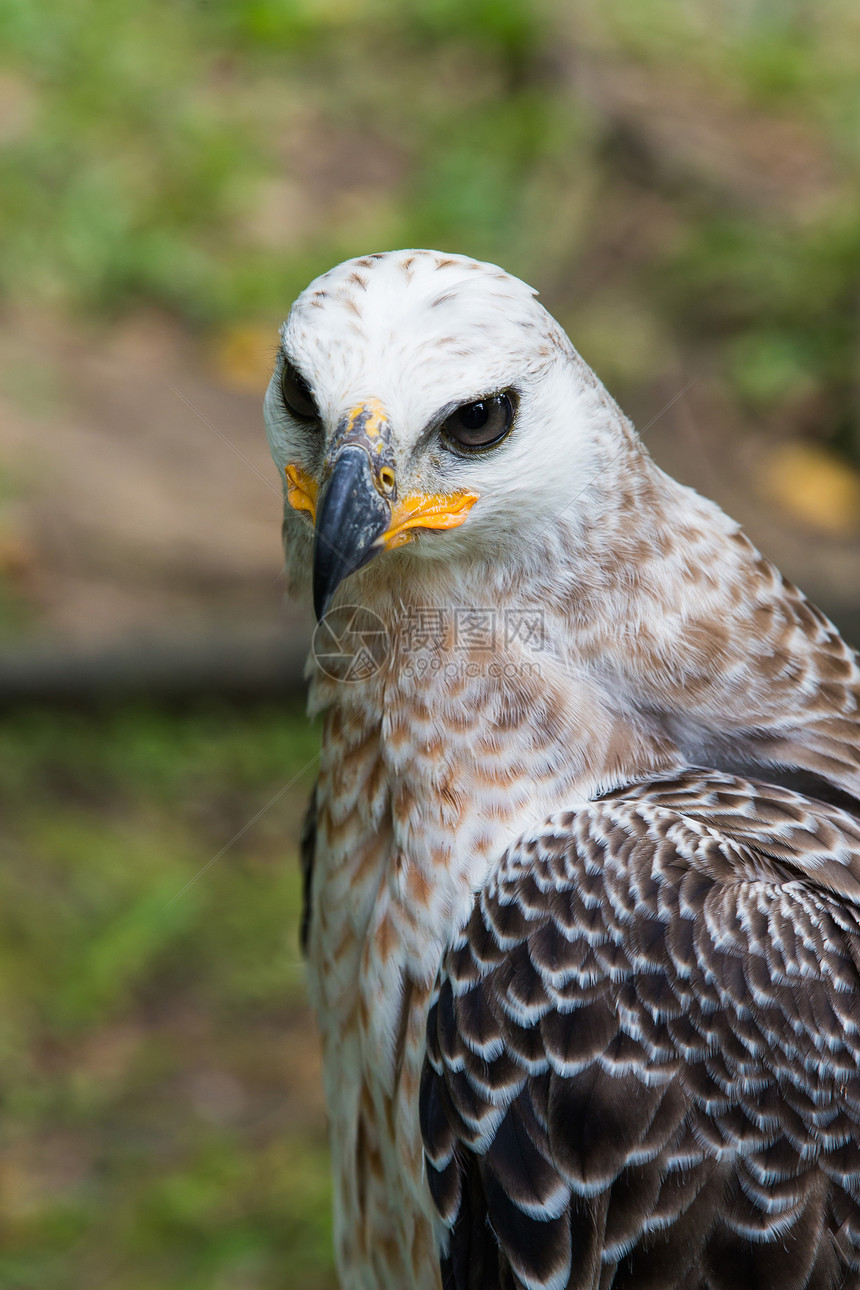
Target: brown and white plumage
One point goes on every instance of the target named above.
(644, 1058)
(616, 868)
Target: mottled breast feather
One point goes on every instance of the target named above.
(643, 1061)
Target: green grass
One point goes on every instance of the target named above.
(210, 158)
(161, 1122)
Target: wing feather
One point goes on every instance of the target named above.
(643, 1061)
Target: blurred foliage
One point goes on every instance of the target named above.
(211, 157)
(682, 177)
(154, 1047)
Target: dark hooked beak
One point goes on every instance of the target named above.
(351, 515)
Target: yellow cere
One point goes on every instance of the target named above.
(415, 511)
(372, 428)
(301, 490)
(426, 511)
(374, 421)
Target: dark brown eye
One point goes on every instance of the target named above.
(297, 394)
(478, 425)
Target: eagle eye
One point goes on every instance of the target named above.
(297, 394)
(480, 424)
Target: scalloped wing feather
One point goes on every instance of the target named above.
(643, 1064)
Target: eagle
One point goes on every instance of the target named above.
(582, 863)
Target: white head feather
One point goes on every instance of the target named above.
(424, 332)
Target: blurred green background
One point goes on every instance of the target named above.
(679, 178)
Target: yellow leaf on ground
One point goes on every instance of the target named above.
(814, 486)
